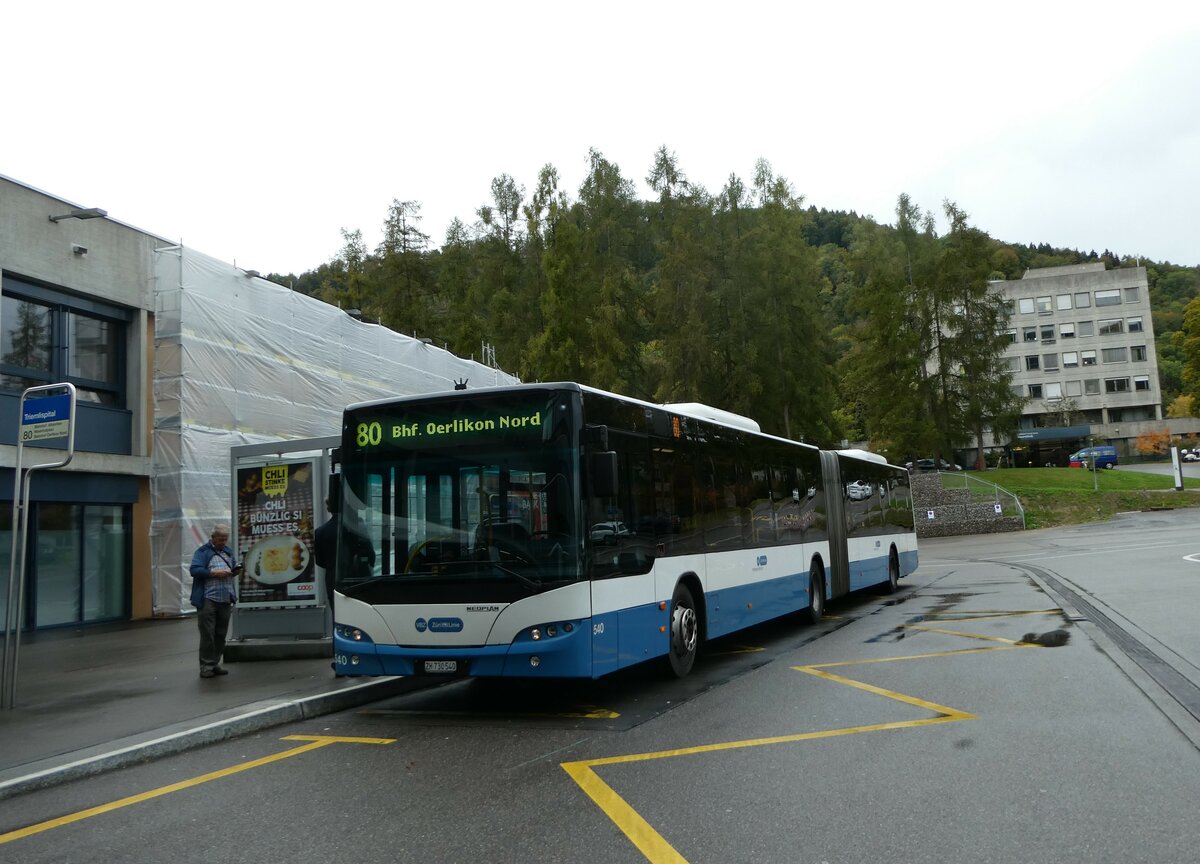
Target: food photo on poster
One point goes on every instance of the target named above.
(276, 510)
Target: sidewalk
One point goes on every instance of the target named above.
(94, 699)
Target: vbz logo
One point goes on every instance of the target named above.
(762, 560)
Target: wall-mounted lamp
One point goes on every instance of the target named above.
(425, 340)
(78, 250)
(79, 213)
(253, 273)
(356, 314)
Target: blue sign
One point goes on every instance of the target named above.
(48, 417)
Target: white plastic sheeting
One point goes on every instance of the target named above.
(240, 360)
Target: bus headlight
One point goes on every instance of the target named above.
(549, 631)
(352, 634)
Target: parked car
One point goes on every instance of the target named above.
(608, 532)
(932, 465)
(1104, 456)
(858, 490)
(1193, 456)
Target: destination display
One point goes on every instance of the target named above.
(470, 423)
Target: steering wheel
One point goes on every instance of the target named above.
(419, 549)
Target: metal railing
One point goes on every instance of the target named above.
(983, 492)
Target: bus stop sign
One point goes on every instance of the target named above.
(45, 418)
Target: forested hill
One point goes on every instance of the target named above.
(743, 298)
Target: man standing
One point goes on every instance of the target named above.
(214, 591)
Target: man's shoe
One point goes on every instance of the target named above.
(220, 670)
(208, 673)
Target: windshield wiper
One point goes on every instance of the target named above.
(350, 590)
(520, 577)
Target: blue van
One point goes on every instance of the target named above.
(1105, 456)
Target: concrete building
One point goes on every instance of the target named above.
(1082, 355)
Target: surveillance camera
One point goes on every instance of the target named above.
(78, 250)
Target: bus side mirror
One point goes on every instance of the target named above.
(604, 474)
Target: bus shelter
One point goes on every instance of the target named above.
(278, 499)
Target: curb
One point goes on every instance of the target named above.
(191, 734)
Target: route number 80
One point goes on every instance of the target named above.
(369, 434)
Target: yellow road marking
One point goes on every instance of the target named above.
(960, 633)
(588, 712)
(652, 844)
(315, 742)
(987, 614)
(740, 649)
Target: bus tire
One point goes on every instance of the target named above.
(893, 583)
(816, 594)
(685, 631)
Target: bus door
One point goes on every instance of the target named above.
(835, 520)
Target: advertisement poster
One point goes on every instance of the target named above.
(276, 507)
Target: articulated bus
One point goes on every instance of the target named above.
(556, 530)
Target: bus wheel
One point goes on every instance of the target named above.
(816, 596)
(685, 631)
(893, 583)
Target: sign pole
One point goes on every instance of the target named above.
(48, 415)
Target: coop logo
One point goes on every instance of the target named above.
(439, 625)
(301, 589)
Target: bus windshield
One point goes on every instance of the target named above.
(459, 500)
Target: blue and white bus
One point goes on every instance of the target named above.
(556, 530)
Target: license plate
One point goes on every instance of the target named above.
(441, 667)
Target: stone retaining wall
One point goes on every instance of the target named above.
(953, 510)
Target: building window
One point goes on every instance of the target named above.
(1087, 328)
(1018, 390)
(1137, 353)
(1131, 294)
(1045, 305)
(1074, 388)
(1010, 364)
(1063, 302)
(1070, 359)
(1114, 355)
(1031, 362)
(1029, 334)
(1141, 382)
(1047, 332)
(1026, 305)
(1088, 358)
(1116, 385)
(1111, 297)
(1035, 391)
(1112, 326)
(80, 562)
(1067, 330)
(1091, 387)
(1083, 300)
(1011, 333)
(1053, 391)
(46, 338)
(1133, 325)
(1050, 362)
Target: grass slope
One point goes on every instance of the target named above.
(1065, 496)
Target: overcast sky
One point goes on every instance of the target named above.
(255, 131)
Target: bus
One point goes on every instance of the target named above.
(557, 530)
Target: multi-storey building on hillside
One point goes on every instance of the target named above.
(1082, 355)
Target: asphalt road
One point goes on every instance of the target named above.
(908, 728)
